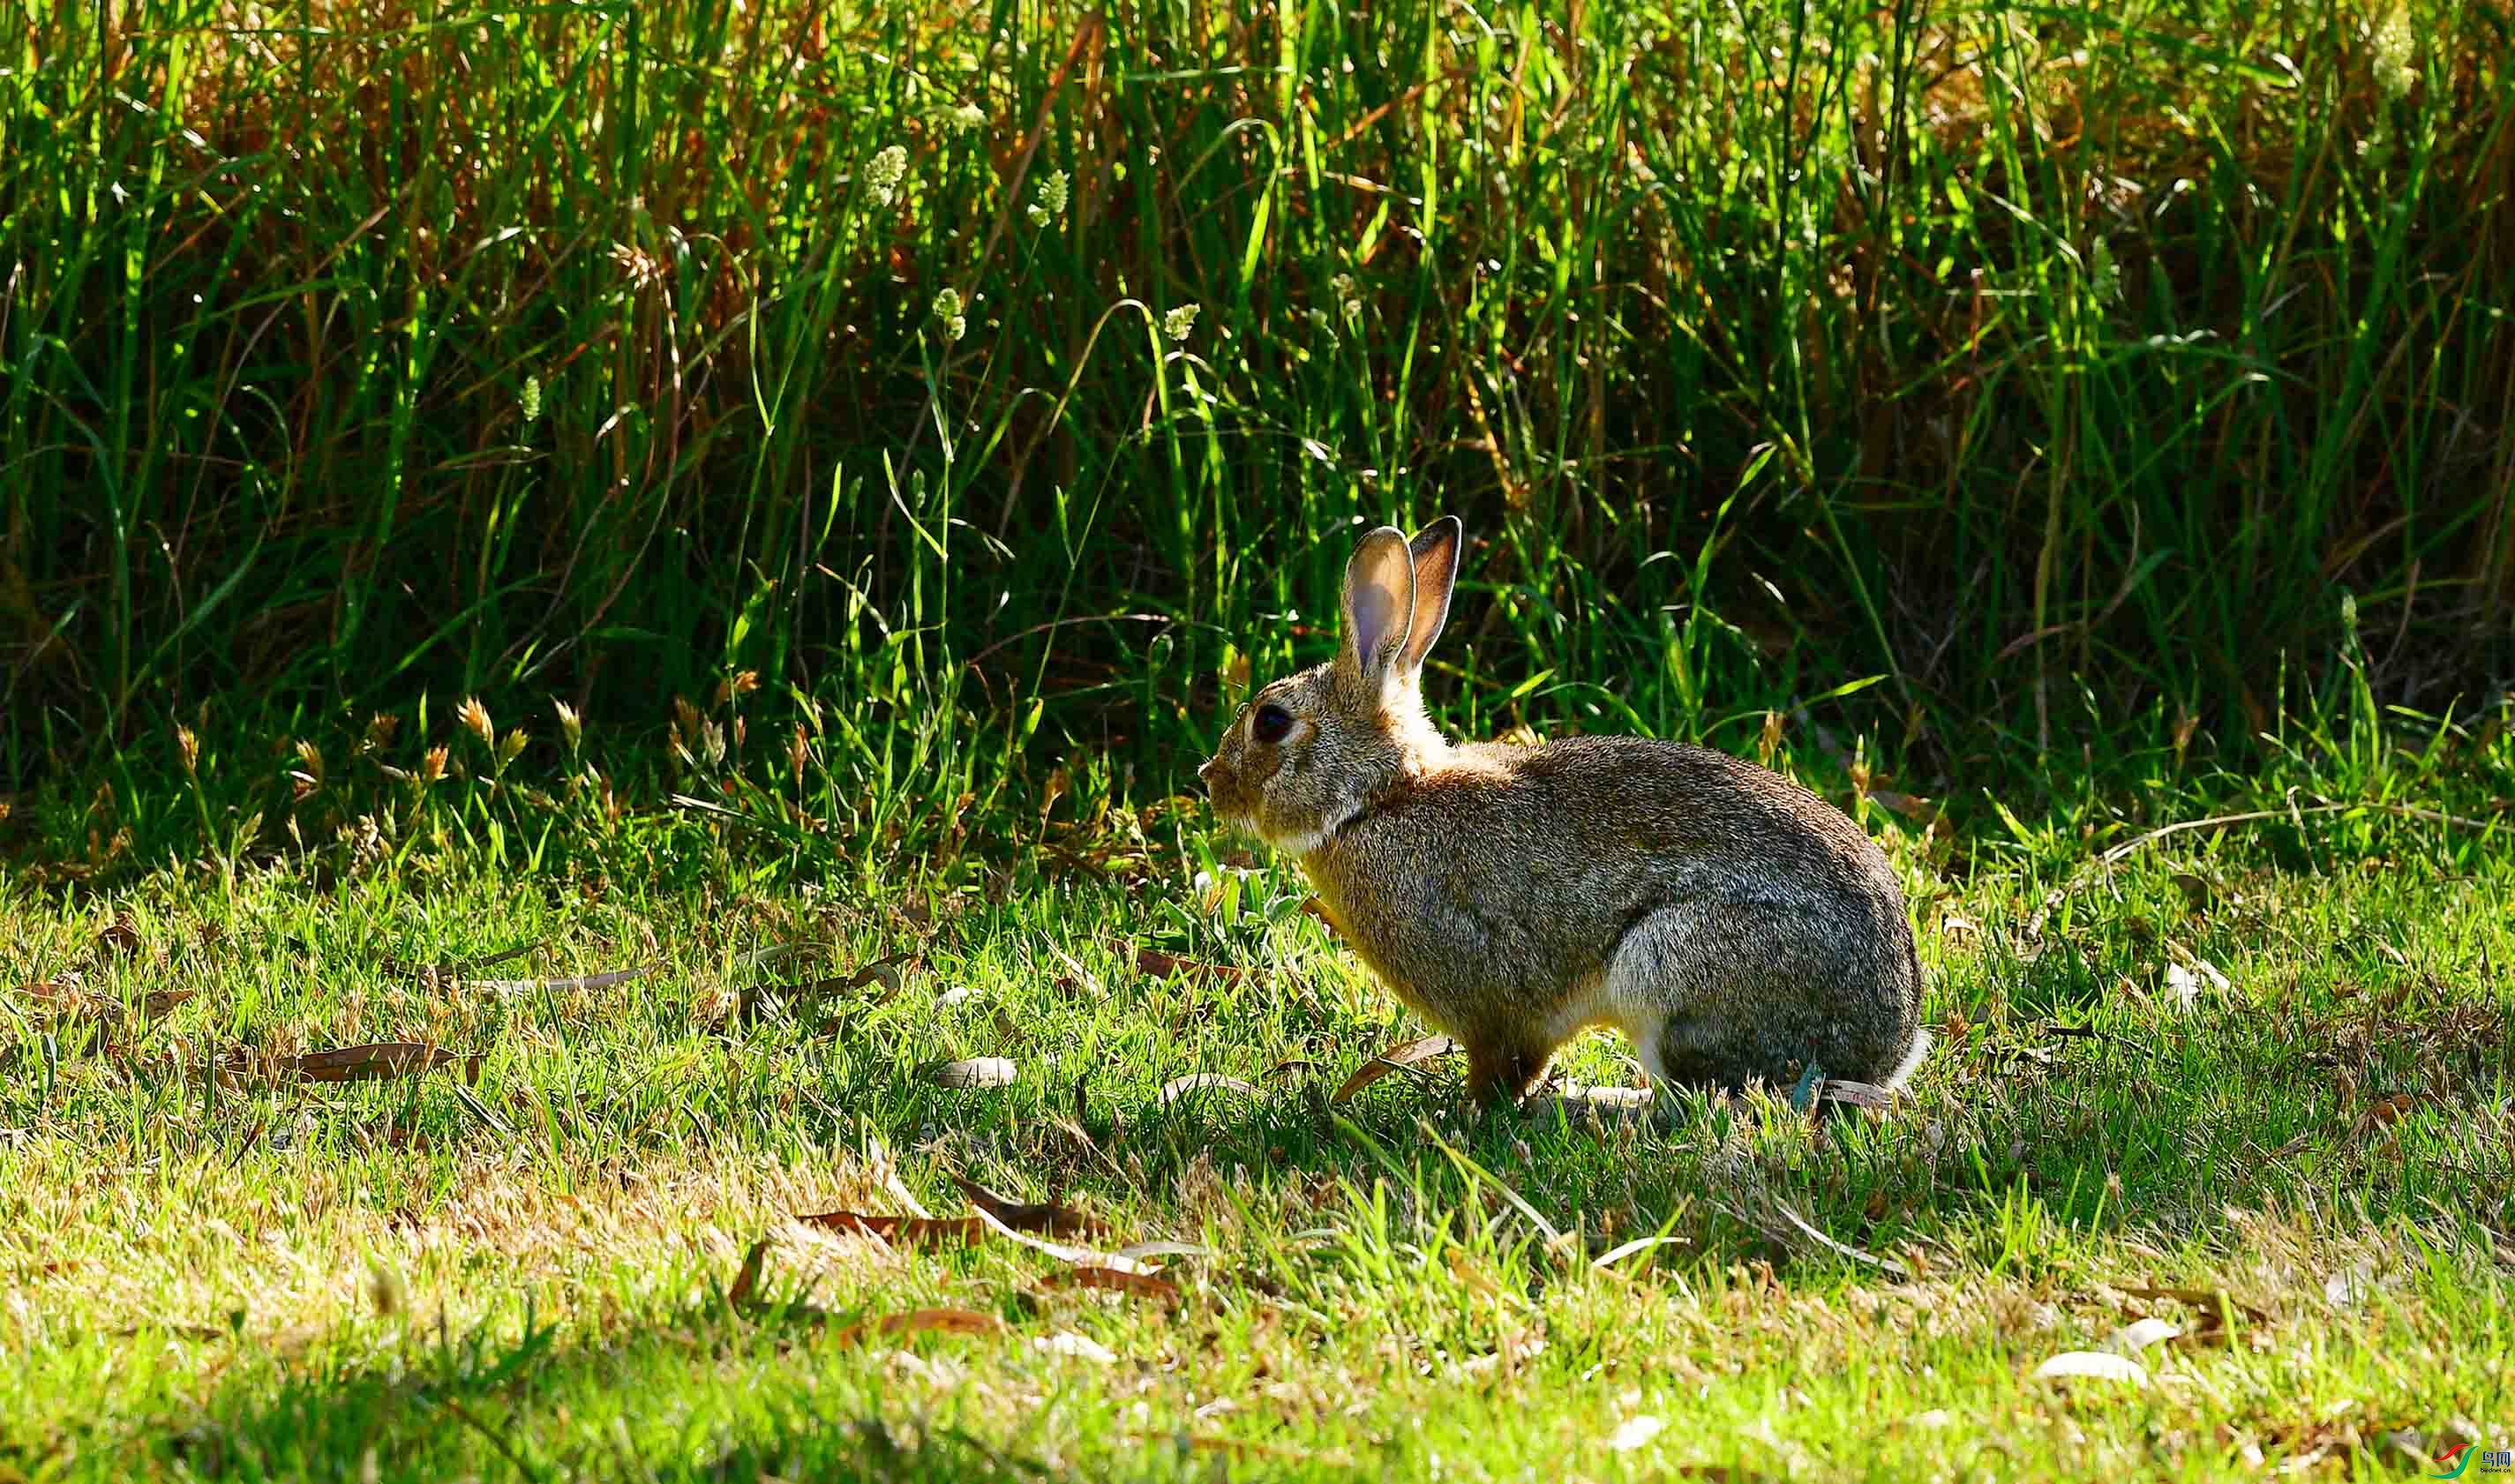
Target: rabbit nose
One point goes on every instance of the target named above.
(1205, 773)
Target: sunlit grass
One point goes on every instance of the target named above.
(2262, 1064)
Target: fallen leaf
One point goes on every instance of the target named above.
(1858, 1094)
(1952, 927)
(747, 1281)
(1199, 1081)
(1046, 1217)
(452, 972)
(1074, 1256)
(2196, 890)
(975, 1073)
(1411, 1054)
(2208, 1300)
(378, 1062)
(884, 970)
(922, 1322)
(2182, 987)
(924, 1233)
(120, 935)
(1073, 1346)
(160, 1001)
(1163, 1249)
(2350, 1287)
(554, 987)
(2092, 1365)
(2383, 1114)
(1115, 1280)
(1615, 1254)
(1161, 966)
(2138, 1335)
(1635, 1433)
(1910, 806)
(65, 998)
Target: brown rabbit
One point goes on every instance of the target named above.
(1734, 926)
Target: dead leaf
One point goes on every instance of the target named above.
(1637, 1432)
(1199, 1081)
(975, 1074)
(1161, 966)
(121, 936)
(2140, 1335)
(920, 1322)
(452, 972)
(2092, 1365)
(2182, 987)
(924, 1233)
(1857, 1095)
(2382, 1114)
(2208, 1300)
(1046, 1217)
(1909, 805)
(2196, 890)
(1116, 1280)
(1413, 1054)
(1072, 1346)
(378, 1062)
(67, 999)
(1077, 1257)
(2351, 1286)
(747, 1281)
(884, 970)
(557, 986)
(161, 1001)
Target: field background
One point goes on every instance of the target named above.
(2070, 374)
(673, 563)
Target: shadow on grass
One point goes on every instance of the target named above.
(702, 1395)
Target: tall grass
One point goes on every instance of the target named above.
(2063, 366)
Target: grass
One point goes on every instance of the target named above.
(2067, 367)
(2264, 1066)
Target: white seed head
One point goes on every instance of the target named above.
(885, 170)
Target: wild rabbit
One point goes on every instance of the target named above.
(1731, 923)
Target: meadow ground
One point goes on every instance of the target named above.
(2233, 1105)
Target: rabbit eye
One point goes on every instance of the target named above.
(1272, 724)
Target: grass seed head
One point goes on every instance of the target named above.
(474, 718)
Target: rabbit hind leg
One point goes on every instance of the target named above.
(1714, 995)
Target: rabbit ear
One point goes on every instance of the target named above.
(1435, 551)
(1378, 602)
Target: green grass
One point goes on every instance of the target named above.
(2065, 365)
(213, 1270)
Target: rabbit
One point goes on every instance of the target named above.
(1733, 926)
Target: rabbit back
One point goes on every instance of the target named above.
(1731, 923)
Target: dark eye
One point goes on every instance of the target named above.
(1272, 724)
